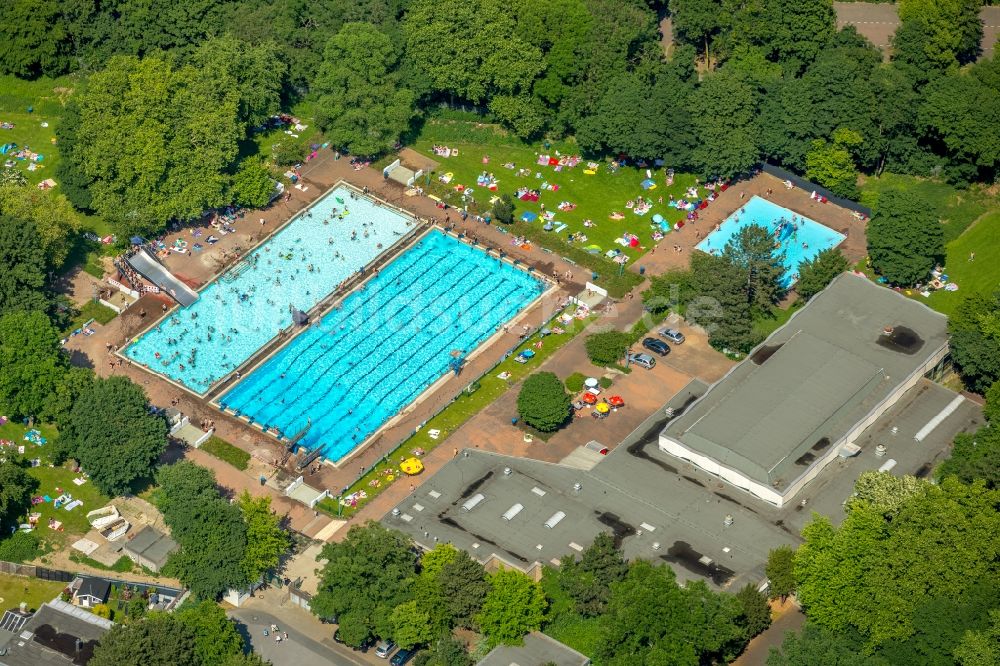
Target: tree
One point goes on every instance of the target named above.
(975, 340)
(832, 164)
(158, 639)
(724, 117)
(447, 651)
(266, 540)
(213, 540)
(253, 184)
(503, 209)
(111, 431)
(32, 363)
(938, 35)
(248, 659)
(33, 39)
(464, 586)
(652, 620)
(175, 132)
(960, 117)
(975, 456)
(363, 105)
(780, 572)
(366, 576)
(815, 645)
(411, 626)
(816, 273)
(215, 635)
(884, 492)
(698, 21)
(515, 606)
(51, 214)
(543, 402)
(16, 488)
(68, 389)
(73, 181)
(905, 239)
(752, 252)
(991, 410)
(720, 305)
(981, 648)
(791, 32)
(22, 280)
(589, 580)
(182, 484)
(607, 348)
(756, 611)
(874, 571)
(253, 69)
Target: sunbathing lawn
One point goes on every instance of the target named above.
(463, 408)
(34, 592)
(982, 274)
(46, 97)
(596, 196)
(74, 522)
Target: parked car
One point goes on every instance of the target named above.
(656, 346)
(365, 644)
(402, 657)
(384, 649)
(642, 360)
(673, 335)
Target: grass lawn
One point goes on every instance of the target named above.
(225, 451)
(465, 406)
(102, 314)
(596, 196)
(779, 317)
(34, 592)
(957, 209)
(122, 565)
(46, 97)
(982, 274)
(52, 482)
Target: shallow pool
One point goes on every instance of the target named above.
(366, 360)
(249, 304)
(800, 238)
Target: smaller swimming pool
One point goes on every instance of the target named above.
(800, 238)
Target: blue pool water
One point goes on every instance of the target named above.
(801, 239)
(241, 311)
(383, 345)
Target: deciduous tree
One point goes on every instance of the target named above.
(515, 606)
(543, 402)
(253, 184)
(411, 626)
(215, 635)
(780, 572)
(22, 280)
(724, 118)
(975, 340)
(32, 363)
(111, 431)
(905, 238)
(816, 273)
(16, 487)
(266, 540)
(158, 639)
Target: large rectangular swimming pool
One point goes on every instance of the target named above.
(250, 303)
(797, 236)
(384, 345)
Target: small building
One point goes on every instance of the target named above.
(536, 650)
(58, 634)
(150, 548)
(805, 394)
(89, 591)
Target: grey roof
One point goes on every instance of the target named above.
(151, 545)
(811, 381)
(93, 586)
(50, 637)
(537, 649)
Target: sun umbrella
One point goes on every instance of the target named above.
(411, 466)
(589, 398)
(591, 382)
(602, 408)
(616, 401)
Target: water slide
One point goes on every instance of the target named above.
(150, 268)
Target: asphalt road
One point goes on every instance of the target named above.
(297, 650)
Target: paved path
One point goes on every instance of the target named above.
(790, 619)
(878, 22)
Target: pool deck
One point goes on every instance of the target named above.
(318, 176)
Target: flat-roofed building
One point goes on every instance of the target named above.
(803, 396)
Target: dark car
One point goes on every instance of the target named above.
(365, 644)
(656, 346)
(402, 657)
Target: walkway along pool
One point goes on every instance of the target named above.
(800, 238)
(384, 345)
(246, 307)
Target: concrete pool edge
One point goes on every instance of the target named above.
(427, 229)
(250, 362)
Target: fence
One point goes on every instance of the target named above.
(798, 181)
(32, 571)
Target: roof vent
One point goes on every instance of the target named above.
(507, 471)
(512, 511)
(473, 502)
(577, 486)
(554, 520)
(395, 513)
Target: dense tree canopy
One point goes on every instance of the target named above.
(16, 488)
(905, 239)
(975, 340)
(156, 640)
(215, 635)
(22, 280)
(54, 219)
(543, 402)
(719, 302)
(111, 431)
(32, 364)
(816, 273)
(514, 606)
(266, 540)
